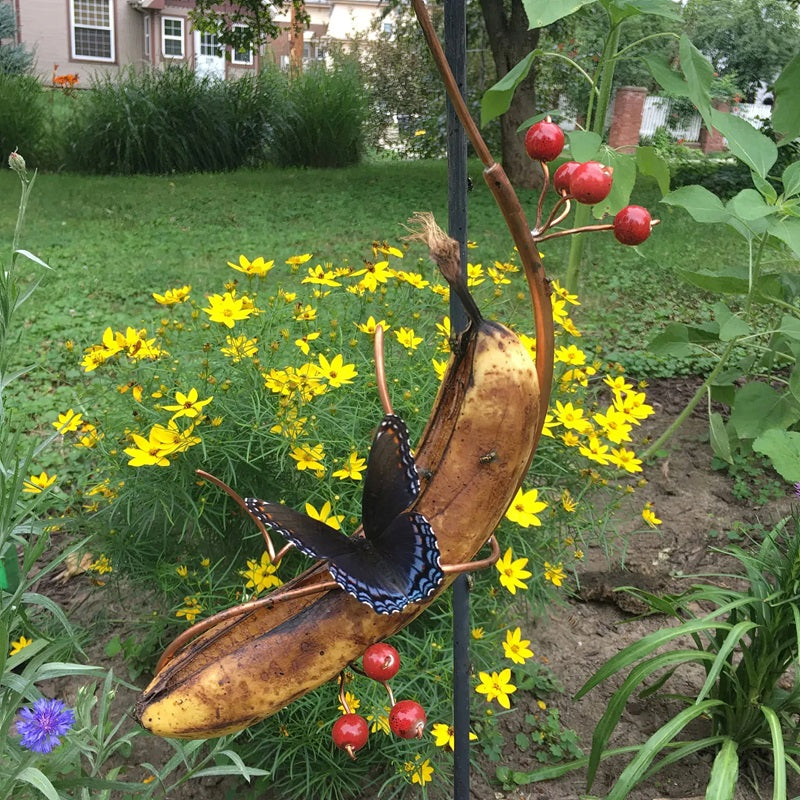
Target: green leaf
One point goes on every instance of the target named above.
(724, 773)
(649, 162)
(747, 143)
(786, 109)
(702, 205)
(749, 204)
(782, 448)
(624, 165)
(31, 257)
(540, 14)
(39, 781)
(658, 8)
(497, 98)
(778, 754)
(669, 80)
(758, 407)
(765, 187)
(699, 74)
(584, 145)
(731, 326)
(791, 180)
(720, 443)
(679, 340)
(733, 280)
(732, 639)
(788, 231)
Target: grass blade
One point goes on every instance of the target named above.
(778, 754)
(724, 773)
(730, 642)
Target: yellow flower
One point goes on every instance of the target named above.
(336, 372)
(568, 502)
(478, 633)
(512, 572)
(19, 644)
(614, 424)
(496, 686)
(260, 575)
(172, 296)
(187, 405)
(554, 574)
(352, 469)
(408, 338)
(370, 325)
(625, 459)
(38, 483)
(227, 309)
(303, 341)
(376, 273)
(320, 276)
(296, 261)
(379, 723)
(324, 515)
(570, 355)
(516, 648)
(305, 313)
(258, 268)
(571, 417)
(101, 565)
(308, 457)
(89, 435)
(475, 275)
(524, 508)
(444, 735)
(649, 516)
(439, 367)
(182, 570)
(350, 701)
(563, 293)
(191, 609)
(239, 347)
(421, 771)
(68, 422)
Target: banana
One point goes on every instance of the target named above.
(473, 455)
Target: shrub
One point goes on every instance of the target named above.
(320, 118)
(22, 114)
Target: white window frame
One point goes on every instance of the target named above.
(110, 29)
(173, 37)
(148, 35)
(240, 62)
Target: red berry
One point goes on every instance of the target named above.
(591, 182)
(632, 225)
(350, 733)
(563, 175)
(544, 141)
(381, 662)
(407, 719)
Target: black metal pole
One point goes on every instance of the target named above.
(455, 45)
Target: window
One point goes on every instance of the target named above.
(208, 45)
(241, 56)
(92, 26)
(172, 37)
(147, 31)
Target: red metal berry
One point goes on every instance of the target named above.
(591, 182)
(544, 140)
(381, 662)
(563, 175)
(350, 733)
(407, 719)
(632, 225)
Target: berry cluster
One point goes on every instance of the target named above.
(588, 182)
(407, 718)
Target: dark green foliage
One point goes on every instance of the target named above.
(319, 118)
(21, 113)
(15, 59)
(170, 121)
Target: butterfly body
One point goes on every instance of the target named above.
(397, 561)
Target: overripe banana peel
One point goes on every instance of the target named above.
(473, 455)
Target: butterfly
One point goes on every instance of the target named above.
(397, 561)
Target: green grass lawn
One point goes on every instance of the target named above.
(113, 240)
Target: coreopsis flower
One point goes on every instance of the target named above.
(572, 417)
(173, 296)
(369, 326)
(191, 609)
(335, 371)
(42, 726)
(136, 345)
(146, 453)
(379, 722)
(296, 261)
(412, 279)
(516, 648)
(439, 367)
(187, 405)
(496, 686)
(421, 771)
(617, 384)
(239, 347)
(303, 341)
(615, 425)
(475, 275)
(374, 274)
(564, 294)
(512, 572)
(38, 483)
(68, 422)
(19, 645)
(444, 735)
(408, 338)
(595, 450)
(88, 435)
(260, 574)
(568, 502)
(258, 268)
(570, 354)
(226, 309)
(649, 516)
(352, 468)
(101, 565)
(305, 313)
(554, 574)
(308, 457)
(320, 276)
(351, 703)
(182, 570)
(625, 459)
(325, 516)
(524, 508)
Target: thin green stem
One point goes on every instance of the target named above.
(625, 49)
(692, 404)
(755, 271)
(574, 64)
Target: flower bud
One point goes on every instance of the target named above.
(17, 163)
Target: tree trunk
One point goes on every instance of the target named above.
(510, 41)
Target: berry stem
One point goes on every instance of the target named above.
(343, 699)
(583, 229)
(551, 220)
(545, 186)
(389, 692)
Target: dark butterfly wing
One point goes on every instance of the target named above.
(400, 567)
(391, 484)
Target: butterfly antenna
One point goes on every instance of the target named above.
(446, 253)
(224, 486)
(380, 372)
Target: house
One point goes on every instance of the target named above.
(98, 38)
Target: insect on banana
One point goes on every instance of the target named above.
(249, 662)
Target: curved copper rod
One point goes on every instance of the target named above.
(237, 611)
(380, 371)
(473, 566)
(225, 488)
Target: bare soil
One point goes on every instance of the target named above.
(692, 499)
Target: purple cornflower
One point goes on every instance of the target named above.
(42, 725)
